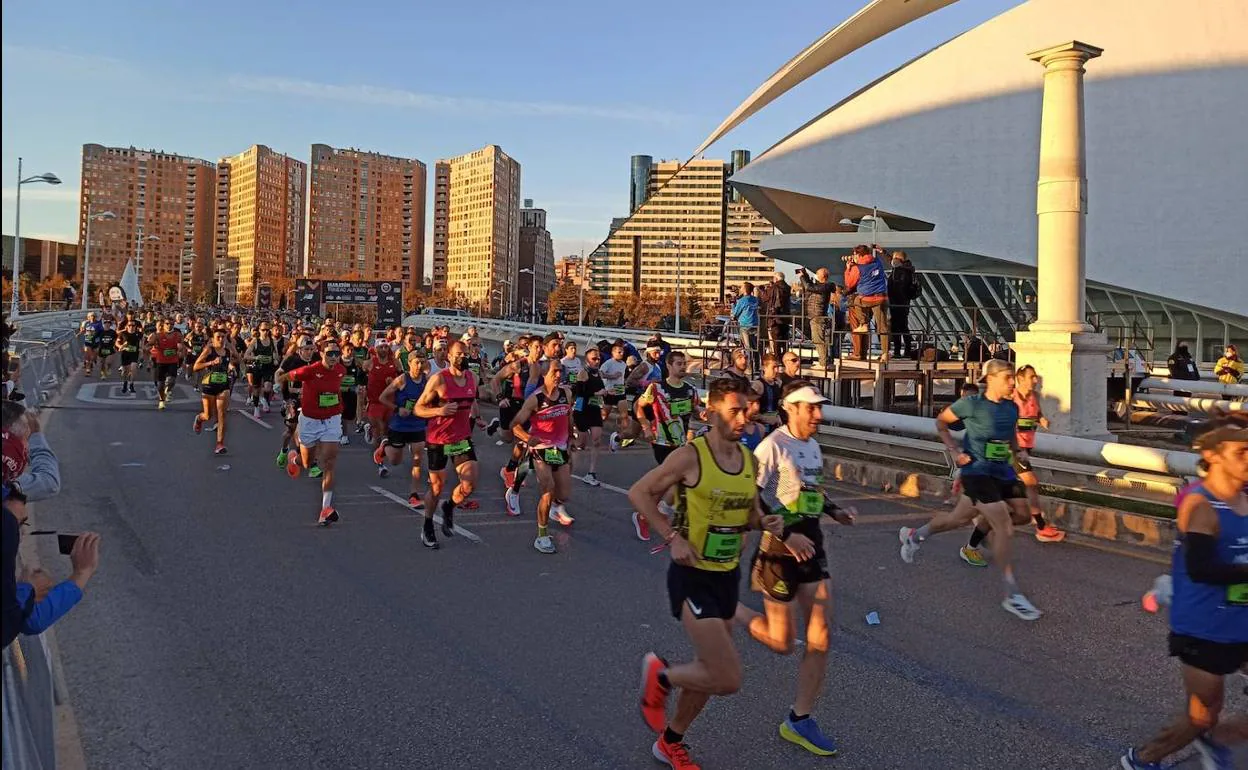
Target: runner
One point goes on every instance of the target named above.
(405, 428)
(795, 565)
(195, 343)
(1209, 609)
(588, 410)
(292, 394)
(167, 349)
(525, 375)
(449, 403)
(90, 330)
(214, 367)
(988, 477)
(769, 387)
(664, 411)
(755, 429)
(320, 420)
(350, 390)
(714, 480)
(261, 359)
(570, 362)
(542, 426)
(107, 339)
(380, 370)
(1031, 419)
(131, 343)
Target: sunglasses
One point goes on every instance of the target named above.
(333, 353)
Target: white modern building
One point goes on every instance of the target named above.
(944, 149)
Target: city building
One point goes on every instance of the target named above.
(688, 231)
(537, 255)
(1163, 240)
(571, 269)
(476, 228)
(260, 208)
(163, 215)
(42, 258)
(366, 217)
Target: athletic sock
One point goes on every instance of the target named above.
(923, 532)
(448, 507)
(1011, 587)
(977, 537)
(666, 685)
(541, 531)
(1038, 518)
(793, 716)
(671, 737)
(327, 499)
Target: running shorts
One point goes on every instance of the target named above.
(350, 400)
(165, 372)
(661, 452)
(91, 346)
(590, 418)
(611, 402)
(129, 358)
(438, 458)
(1217, 658)
(552, 456)
(401, 438)
(989, 489)
(313, 431)
(379, 411)
(506, 414)
(260, 374)
(777, 574)
(212, 391)
(707, 594)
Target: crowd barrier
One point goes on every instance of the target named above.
(30, 699)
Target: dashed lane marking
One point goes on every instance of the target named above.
(436, 517)
(249, 416)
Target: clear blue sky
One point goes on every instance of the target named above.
(570, 89)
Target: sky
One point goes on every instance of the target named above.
(569, 89)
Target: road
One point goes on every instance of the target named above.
(225, 630)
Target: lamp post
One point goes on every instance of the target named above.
(220, 272)
(670, 244)
(874, 217)
(103, 216)
(182, 266)
(532, 294)
(138, 253)
(47, 178)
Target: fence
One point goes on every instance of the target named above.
(30, 699)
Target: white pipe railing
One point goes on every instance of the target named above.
(1204, 387)
(1204, 405)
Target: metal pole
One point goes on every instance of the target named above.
(17, 243)
(138, 260)
(581, 302)
(678, 287)
(86, 260)
(533, 298)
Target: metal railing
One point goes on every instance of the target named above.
(29, 732)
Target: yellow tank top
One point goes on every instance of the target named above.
(713, 514)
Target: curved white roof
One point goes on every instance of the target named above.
(952, 139)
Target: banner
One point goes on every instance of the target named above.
(307, 297)
(350, 292)
(389, 304)
(386, 296)
(264, 296)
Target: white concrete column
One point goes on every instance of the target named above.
(1070, 358)
(1062, 189)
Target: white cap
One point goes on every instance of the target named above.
(806, 395)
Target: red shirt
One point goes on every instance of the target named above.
(379, 376)
(165, 351)
(321, 397)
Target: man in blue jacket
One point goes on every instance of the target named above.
(867, 278)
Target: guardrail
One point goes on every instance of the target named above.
(29, 702)
(1203, 387)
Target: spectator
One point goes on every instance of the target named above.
(1182, 367)
(745, 313)
(778, 310)
(903, 288)
(69, 294)
(1230, 368)
(42, 476)
(818, 292)
(656, 340)
(837, 323)
(867, 281)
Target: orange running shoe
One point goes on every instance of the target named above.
(379, 456)
(653, 694)
(509, 477)
(328, 516)
(674, 755)
(292, 463)
(1050, 534)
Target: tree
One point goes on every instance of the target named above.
(282, 286)
(50, 289)
(563, 299)
(162, 288)
(448, 297)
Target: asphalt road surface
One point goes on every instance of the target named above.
(225, 630)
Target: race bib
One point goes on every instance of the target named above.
(673, 433)
(217, 378)
(723, 544)
(410, 405)
(810, 502)
(348, 382)
(458, 448)
(1237, 593)
(169, 352)
(326, 400)
(595, 401)
(132, 348)
(998, 451)
(681, 407)
(617, 390)
(475, 368)
(552, 456)
(264, 359)
(1027, 423)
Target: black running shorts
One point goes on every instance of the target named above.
(989, 489)
(1218, 658)
(707, 594)
(438, 459)
(777, 574)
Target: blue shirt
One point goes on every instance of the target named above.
(989, 426)
(1202, 610)
(60, 600)
(406, 397)
(746, 310)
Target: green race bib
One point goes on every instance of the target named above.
(475, 368)
(1237, 593)
(264, 359)
(1028, 423)
(326, 400)
(596, 401)
(617, 390)
(217, 378)
(552, 456)
(348, 382)
(681, 407)
(998, 451)
(410, 405)
(458, 448)
(810, 502)
(169, 353)
(132, 348)
(723, 544)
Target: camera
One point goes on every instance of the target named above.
(848, 259)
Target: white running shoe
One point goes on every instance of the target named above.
(544, 544)
(344, 439)
(264, 406)
(500, 442)
(368, 433)
(614, 441)
(255, 412)
(591, 479)
(1018, 606)
(909, 544)
(560, 514)
(512, 499)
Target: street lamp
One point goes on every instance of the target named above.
(138, 252)
(48, 178)
(873, 216)
(670, 244)
(220, 272)
(182, 267)
(533, 294)
(103, 216)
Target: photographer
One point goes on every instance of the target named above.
(777, 313)
(817, 294)
(867, 278)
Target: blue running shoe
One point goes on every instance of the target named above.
(806, 733)
(1214, 756)
(1130, 761)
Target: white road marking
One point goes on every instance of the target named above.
(132, 465)
(249, 416)
(604, 485)
(436, 517)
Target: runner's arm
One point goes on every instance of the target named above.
(946, 418)
(517, 422)
(680, 467)
(200, 362)
(1200, 545)
(387, 395)
(425, 407)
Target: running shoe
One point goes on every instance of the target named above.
(264, 406)
(368, 433)
(448, 522)
(642, 526)
(909, 544)
(492, 428)
(1050, 534)
(511, 498)
(344, 439)
(509, 477)
(613, 442)
(1018, 606)
(359, 427)
(653, 694)
(255, 412)
(561, 515)
(674, 755)
(500, 442)
(544, 544)
(382, 471)
(281, 459)
(292, 464)
(1130, 761)
(1214, 756)
(469, 505)
(328, 516)
(972, 556)
(379, 455)
(427, 538)
(315, 471)
(199, 423)
(220, 449)
(415, 500)
(160, 404)
(626, 443)
(806, 733)
(591, 479)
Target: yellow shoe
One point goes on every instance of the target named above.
(972, 556)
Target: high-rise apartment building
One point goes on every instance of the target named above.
(163, 215)
(688, 231)
(537, 255)
(260, 208)
(366, 217)
(476, 228)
